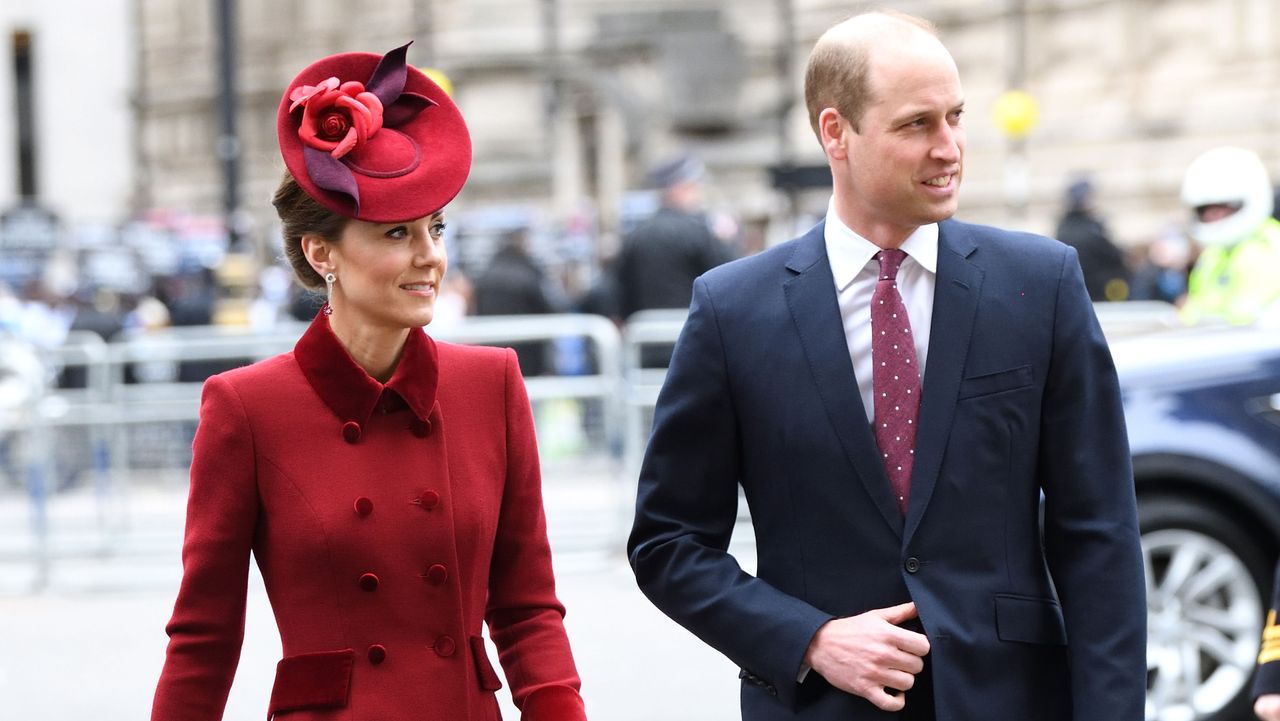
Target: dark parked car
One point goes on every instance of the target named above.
(1203, 408)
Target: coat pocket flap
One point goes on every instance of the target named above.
(1030, 620)
(998, 382)
(489, 680)
(312, 681)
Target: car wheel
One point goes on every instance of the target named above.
(1207, 590)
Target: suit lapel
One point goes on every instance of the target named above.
(955, 303)
(811, 298)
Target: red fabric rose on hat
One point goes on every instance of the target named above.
(391, 147)
(337, 118)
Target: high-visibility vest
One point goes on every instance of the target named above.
(1238, 283)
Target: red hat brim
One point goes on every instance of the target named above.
(402, 173)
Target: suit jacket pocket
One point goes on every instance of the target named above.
(1028, 619)
(489, 680)
(312, 681)
(999, 382)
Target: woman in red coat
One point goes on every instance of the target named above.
(387, 484)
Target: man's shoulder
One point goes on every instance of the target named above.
(990, 234)
(992, 242)
(768, 263)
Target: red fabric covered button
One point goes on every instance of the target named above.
(444, 646)
(369, 582)
(420, 428)
(377, 654)
(351, 431)
(363, 506)
(429, 499)
(437, 574)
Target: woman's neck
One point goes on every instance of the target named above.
(377, 350)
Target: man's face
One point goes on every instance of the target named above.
(904, 161)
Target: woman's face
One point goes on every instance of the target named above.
(389, 274)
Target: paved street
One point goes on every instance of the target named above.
(92, 644)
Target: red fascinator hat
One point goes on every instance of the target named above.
(371, 138)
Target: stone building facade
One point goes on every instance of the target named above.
(66, 139)
(569, 101)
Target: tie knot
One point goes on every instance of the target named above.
(890, 260)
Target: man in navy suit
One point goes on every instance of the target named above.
(896, 488)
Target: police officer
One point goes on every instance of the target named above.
(1266, 684)
(1234, 280)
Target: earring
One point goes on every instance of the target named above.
(329, 280)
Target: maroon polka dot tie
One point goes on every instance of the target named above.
(895, 378)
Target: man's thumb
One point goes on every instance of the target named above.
(897, 614)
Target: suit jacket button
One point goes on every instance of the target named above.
(429, 500)
(912, 565)
(351, 431)
(444, 646)
(437, 574)
(363, 506)
(420, 428)
(369, 582)
(377, 654)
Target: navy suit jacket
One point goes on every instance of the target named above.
(1019, 398)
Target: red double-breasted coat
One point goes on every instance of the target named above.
(388, 522)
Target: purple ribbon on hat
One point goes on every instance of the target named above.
(397, 107)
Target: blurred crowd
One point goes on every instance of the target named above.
(1223, 266)
(1219, 265)
(500, 269)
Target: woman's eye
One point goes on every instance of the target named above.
(437, 229)
(398, 232)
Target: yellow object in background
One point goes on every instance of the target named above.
(1016, 113)
(439, 78)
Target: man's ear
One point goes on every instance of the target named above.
(319, 253)
(835, 133)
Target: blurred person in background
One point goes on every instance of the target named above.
(304, 303)
(191, 297)
(894, 393)
(1266, 682)
(270, 299)
(602, 295)
(515, 284)
(97, 311)
(1162, 273)
(455, 301)
(45, 317)
(662, 256)
(387, 484)
(1235, 278)
(1105, 274)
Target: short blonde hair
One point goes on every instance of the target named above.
(838, 73)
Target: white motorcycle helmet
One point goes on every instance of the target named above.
(1227, 176)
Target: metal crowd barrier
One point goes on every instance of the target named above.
(125, 389)
(617, 384)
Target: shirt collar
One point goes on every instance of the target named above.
(849, 252)
(350, 392)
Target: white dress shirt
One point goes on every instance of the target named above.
(855, 271)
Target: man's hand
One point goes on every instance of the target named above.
(868, 654)
(1267, 707)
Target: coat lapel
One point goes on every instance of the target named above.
(811, 298)
(955, 303)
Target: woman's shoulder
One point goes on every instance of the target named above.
(477, 355)
(471, 367)
(265, 372)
